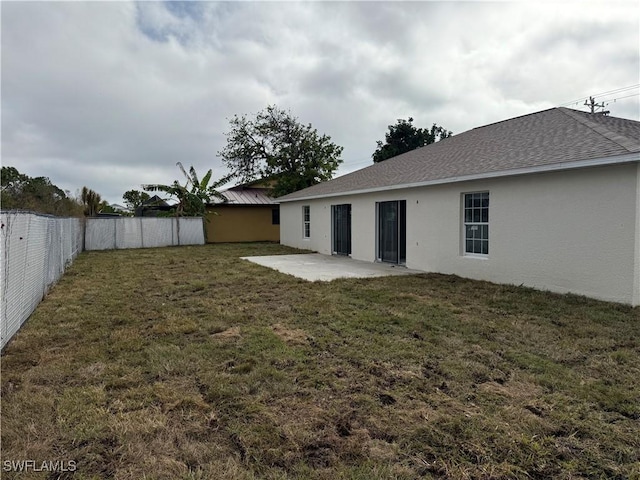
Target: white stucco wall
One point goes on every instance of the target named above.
(573, 231)
(636, 283)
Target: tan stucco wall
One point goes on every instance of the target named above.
(241, 224)
(572, 231)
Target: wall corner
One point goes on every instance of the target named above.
(635, 294)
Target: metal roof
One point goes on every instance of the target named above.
(547, 140)
(246, 196)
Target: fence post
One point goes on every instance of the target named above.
(24, 270)
(115, 235)
(84, 233)
(6, 239)
(47, 256)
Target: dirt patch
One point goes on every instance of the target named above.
(512, 390)
(293, 336)
(320, 454)
(229, 333)
(381, 450)
(93, 370)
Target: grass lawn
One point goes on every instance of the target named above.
(190, 363)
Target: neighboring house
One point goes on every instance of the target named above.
(115, 211)
(248, 214)
(153, 207)
(549, 200)
(121, 208)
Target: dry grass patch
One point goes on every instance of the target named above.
(229, 333)
(190, 363)
(293, 336)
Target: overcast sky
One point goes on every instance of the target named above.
(112, 94)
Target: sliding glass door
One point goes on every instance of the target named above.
(341, 226)
(392, 231)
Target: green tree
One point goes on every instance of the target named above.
(12, 181)
(276, 145)
(90, 201)
(404, 137)
(38, 194)
(194, 195)
(135, 198)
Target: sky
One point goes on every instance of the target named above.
(112, 94)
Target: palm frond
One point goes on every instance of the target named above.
(175, 190)
(193, 178)
(223, 181)
(212, 191)
(205, 180)
(157, 188)
(184, 172)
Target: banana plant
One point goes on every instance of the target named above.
(195, 194)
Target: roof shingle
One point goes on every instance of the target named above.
(554, 136)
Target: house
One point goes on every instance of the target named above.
(121, 208)
(549, 200)
(248, 214)
(153, 207)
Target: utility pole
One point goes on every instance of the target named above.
(593, 105)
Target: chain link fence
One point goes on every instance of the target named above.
(36, 249)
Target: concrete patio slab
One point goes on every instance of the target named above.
(318, 267)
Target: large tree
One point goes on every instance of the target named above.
(194, 195)
(91, 202)
(404, 137)
(134, 198)
(275, 144)
(38, 194)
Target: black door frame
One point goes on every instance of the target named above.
(341, 229)
(394, 241)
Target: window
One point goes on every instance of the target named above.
(275, 215)
(306, 221)
(476, 223)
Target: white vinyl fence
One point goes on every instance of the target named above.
(142, 232)
(35, 251)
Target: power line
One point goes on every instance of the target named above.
(619, 98)
(605, 99)
(610, 92)
(593, 105)
(617, 90)
(604, 102)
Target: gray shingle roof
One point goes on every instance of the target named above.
(554, 136)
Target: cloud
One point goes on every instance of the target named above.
(111, 95)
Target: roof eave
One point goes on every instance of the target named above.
(594, 162)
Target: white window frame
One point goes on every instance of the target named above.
(306, 221)
(474, 219)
